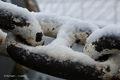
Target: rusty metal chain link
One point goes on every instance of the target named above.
(100, 59)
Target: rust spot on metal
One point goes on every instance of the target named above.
(86, 47)
(27, 24)
(30, 38)
(92, 55)
(57, 26)
(108, 69)
(1, 40)
(43, 43)
(53, 28)
(39, 37)
(30, 30)
(77, 41)
(32, 25)
(47, 31)
(115, 49)
(88, 51)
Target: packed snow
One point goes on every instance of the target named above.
(113, 30)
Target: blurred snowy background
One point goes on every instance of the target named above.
(100, 12)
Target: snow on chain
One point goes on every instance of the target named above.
(57, 58)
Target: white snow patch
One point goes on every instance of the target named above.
(106, 31)
(53, 19)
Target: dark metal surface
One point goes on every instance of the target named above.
(54, 67)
